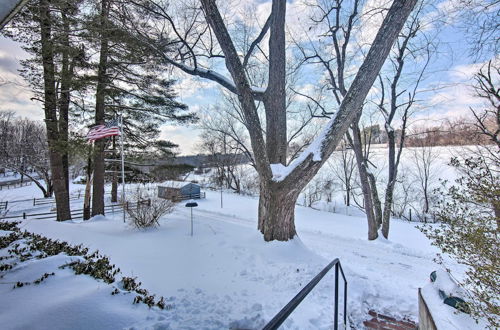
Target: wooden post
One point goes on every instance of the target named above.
(24, 215)
(425, 320)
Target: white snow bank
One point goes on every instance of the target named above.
(226, 275)
(446, 317)
(5, 233)
(64, 300)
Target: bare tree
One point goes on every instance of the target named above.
(280, 184)
(24, 150)
(480, 22)
(392, 104)
(342, 164)
(224, 157)
(488, 120)
(425, 157)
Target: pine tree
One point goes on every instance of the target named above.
(47, 30)
(130, 81)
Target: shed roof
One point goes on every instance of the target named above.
(177, 184)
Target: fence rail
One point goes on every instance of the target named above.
(75, 214)
(8, 184)
(47, 200)
(283, 314)
(50, 200)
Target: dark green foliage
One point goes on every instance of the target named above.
(8, 239)
(96, 266)
(469, 216)
(25, 246)
(139, 87)
(7, 225)
(170, 171)
(36, 282)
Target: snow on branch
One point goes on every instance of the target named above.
(258, 92)
(281, 172)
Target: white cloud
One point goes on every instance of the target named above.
(186, 137)
(15, 95)
(188, 86)
(458, 97)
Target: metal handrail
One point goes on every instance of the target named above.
(283, 314)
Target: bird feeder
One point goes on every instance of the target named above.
(191, 204)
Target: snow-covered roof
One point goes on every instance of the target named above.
(176, 184)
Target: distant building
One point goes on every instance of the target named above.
(178, 191)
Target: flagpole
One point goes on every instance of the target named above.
(123, 166)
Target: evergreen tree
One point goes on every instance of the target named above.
(130, 82)
(49, 31)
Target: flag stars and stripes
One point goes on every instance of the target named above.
(110, 128)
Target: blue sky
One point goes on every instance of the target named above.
(451, 66)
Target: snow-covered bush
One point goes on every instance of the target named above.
(146, 209)
(469, 216)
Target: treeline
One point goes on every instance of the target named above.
(86, 68)
(457, 132)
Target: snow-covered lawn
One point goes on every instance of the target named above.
(225, 276)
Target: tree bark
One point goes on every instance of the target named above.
(65, 96)
(275, 95)
(50, 108)
(88, 185)
(389, 190)
(99, 145)
(366, 187)
(377, 204)
(277, 211)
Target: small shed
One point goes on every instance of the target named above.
(178, 191)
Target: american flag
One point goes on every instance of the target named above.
(110, 128)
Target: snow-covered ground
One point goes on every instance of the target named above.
(225, 276)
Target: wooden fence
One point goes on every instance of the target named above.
(50, 200)
(75, 214)
(9, 184)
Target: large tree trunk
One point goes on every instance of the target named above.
(389, 190)
(88, 185)
(65, 96)
(389, 193)
(366, 187)
(51, 122)
(277, 211)
(377, 204)
(275, 96)
(98, 186)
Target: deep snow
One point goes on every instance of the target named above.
(225, 276)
